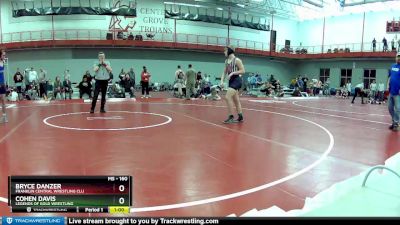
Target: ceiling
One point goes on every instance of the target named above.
(291, 9)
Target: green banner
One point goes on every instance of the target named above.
(214, 19)
(45, 11)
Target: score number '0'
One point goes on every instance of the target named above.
(121, 200)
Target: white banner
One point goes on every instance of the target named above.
(151, 17)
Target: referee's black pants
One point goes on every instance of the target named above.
(357, 92)
(100, 86)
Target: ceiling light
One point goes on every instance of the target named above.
(240, 5)
(219, 8)
(183, 4)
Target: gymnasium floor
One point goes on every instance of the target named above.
(185, 162)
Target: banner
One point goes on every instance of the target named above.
(151, 17)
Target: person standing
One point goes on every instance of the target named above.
(393, 48)
(373, 45)
(305, 80)
(179, 79)
(381, 92)
(121, 74)
(233, 70)
(385, 44)
(348, 87)
(3, 86)
(42, 84)
(359, 90)
(132, 74)
(398, 45)
(394, 94)
(33, 77)
(67, 75)
(102, 70)
(373, 91)
(145, 80)
(19, 81)
(190, 82)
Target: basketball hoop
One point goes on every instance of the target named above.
(5, 61)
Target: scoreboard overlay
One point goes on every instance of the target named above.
(94, 194)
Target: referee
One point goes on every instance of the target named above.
(359, 90)
(102, 70)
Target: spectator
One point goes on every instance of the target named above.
(85, 87)
(199, 80)
(327, 87)
(179, 80)
(32, 92)
(267, 88)
(253, 81)
(344, 93)
(348, 86)
(398, 45)
(129, 86)
(26, 78)
(132, 74)
(121, 74)
(385, 44)
(305, 80)
(214, 93)
(116, 91)
(296, 92)
(373, 90)
(33, 77)
(259, 81)
(57, 88)
(300, 83)
(207, 78)
(18, 80)
(67, 75)
(67, 88)
(13, 96)
(88, 76)
(50, 87)
(145, 80)
(278, 89)
(393, 48)
(381, 92)
(42, 84)
(272, 80)
(373, 45)
(315, 87)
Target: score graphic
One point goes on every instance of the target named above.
(87, 194)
